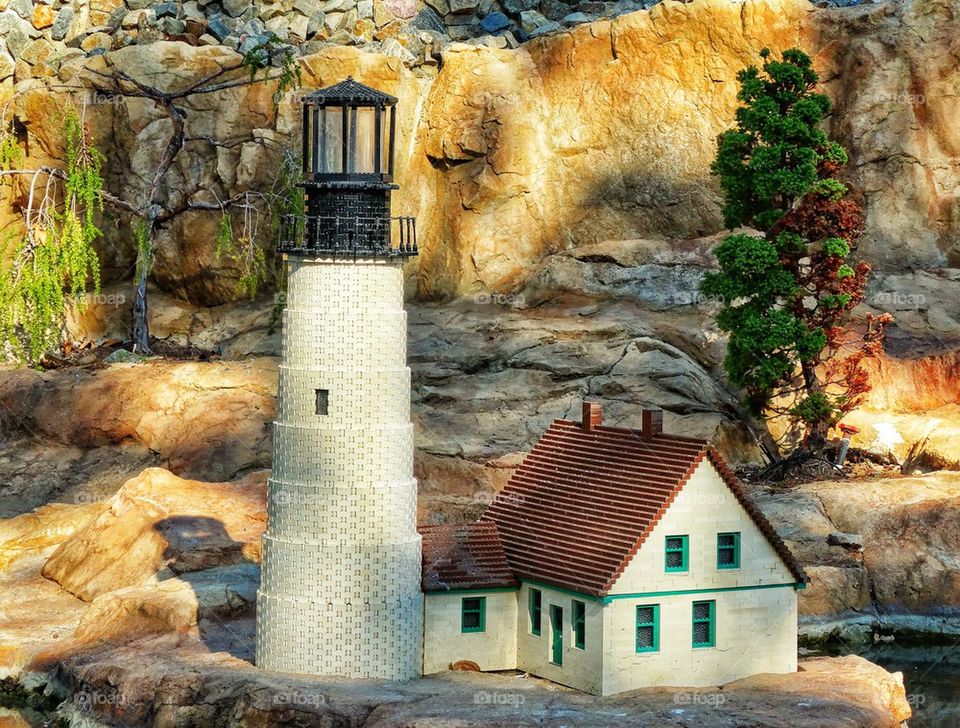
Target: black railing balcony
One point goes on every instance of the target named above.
(357, 237)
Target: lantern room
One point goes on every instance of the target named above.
(349, 135)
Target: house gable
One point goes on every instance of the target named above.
(586, 498)
(704, 506)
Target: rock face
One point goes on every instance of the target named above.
(601, 133)
(203, 420)
(180, 681)
(158, 525)
(904, 578)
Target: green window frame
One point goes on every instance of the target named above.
(648, 628)
(579, 624)
(728, 550)
(676, 554)
(704, 617)
(536, 612)
(473, 614)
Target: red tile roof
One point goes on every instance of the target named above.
(583, 502)
(464, 556)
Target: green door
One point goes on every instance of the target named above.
(556, 626)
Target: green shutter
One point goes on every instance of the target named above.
(473, 614)
(648, 628)
(728, 550)
(676, 556)
(579, 624)
(705, 624)
(536, 611)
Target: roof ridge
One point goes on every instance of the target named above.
(632, 431)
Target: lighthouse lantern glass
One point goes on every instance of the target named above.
(364, 129)
(328, 140)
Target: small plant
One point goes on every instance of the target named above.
(787, 292)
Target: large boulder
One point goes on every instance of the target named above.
(159, 525)
(881, 553)
(204, 419)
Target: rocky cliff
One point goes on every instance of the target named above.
(602, 132)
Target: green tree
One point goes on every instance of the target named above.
(787, 292)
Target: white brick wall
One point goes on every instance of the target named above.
(444, 643)
(340, 585)
(581, 669)
(765, 619)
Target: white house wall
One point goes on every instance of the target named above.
(756, 629)
(581, 669)
(444, 643)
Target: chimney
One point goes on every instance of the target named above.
(592, 415)
(652, 423)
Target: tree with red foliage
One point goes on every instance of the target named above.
(787, 294)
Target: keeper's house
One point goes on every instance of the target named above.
(614, 559)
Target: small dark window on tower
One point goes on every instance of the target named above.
(323, 396)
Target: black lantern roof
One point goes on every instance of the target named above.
(349, 93)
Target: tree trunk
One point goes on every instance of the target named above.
(816, 437)
(155, 197)
(141, 328)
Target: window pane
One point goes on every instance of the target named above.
(701, 632)
(725, 539)
(535, 611)
(645, 615)
(365, 147)
(645, 637)
(674, 559)
(331, 140)
(725, 557)
(322, 401)
(701, 610)
(674, 542)
(385, 140)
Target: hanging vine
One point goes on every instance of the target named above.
(53, 261)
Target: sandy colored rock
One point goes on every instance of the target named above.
(204, 419)
(39, 531)
(158, 525)
(184, 679)
(910, 529)
(42, 16)
(173, 605)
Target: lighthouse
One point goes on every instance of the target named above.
(340, 581)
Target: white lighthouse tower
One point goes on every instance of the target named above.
(340, 585)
